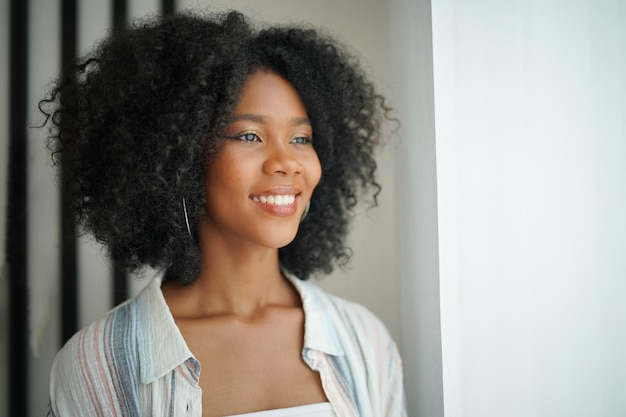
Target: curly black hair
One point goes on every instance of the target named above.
(138, 118)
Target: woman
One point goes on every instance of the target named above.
(231, 158)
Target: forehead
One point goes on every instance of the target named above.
(266, 93)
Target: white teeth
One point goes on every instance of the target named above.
(278, 200)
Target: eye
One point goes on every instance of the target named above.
(302, 140)
(246, 137)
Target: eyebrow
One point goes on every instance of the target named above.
(294, 121)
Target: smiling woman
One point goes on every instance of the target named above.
(231, 158)
(259, 185)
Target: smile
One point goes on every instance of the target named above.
(277, 200)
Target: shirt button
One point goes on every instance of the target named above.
(310, 354)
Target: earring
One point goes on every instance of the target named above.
(306, 211)
(187, 218)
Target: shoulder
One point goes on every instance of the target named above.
(98, 339)
(86, 371)
(346, 316)
(350, 315)
(355, 324)
(359, 317)
(369, 350)
(368, 333)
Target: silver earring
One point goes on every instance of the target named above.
(306, 211)
(187, 218)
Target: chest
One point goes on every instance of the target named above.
(249, 367)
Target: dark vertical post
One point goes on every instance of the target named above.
(17, 209)
(120, 276)
(168, 7)
(69, 269)
(119, 15)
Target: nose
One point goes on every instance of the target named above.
(281, 160)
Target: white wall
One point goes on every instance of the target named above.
(416, 182)
(531, 165)
(43, 237)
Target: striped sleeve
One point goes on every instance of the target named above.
(380, 359)
(95, 372)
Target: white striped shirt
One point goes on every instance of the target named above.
(135, 362)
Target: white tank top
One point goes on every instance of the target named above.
(310, 410)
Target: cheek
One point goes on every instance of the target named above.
(314, 170)
(227, 169)
(222, 178)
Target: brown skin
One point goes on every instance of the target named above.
(241, 318)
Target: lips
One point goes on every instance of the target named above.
(277, 200)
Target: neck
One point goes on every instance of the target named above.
(235, 279)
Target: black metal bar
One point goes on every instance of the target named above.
(69, 261)
(17, 209)
(120, 284)
(119, 15)
(168, 7)
(120, 276)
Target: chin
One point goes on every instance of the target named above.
(282, 243)
(278, 241)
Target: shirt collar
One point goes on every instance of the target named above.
(320, 332)
(161, 346)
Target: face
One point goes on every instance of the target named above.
(258, 185)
